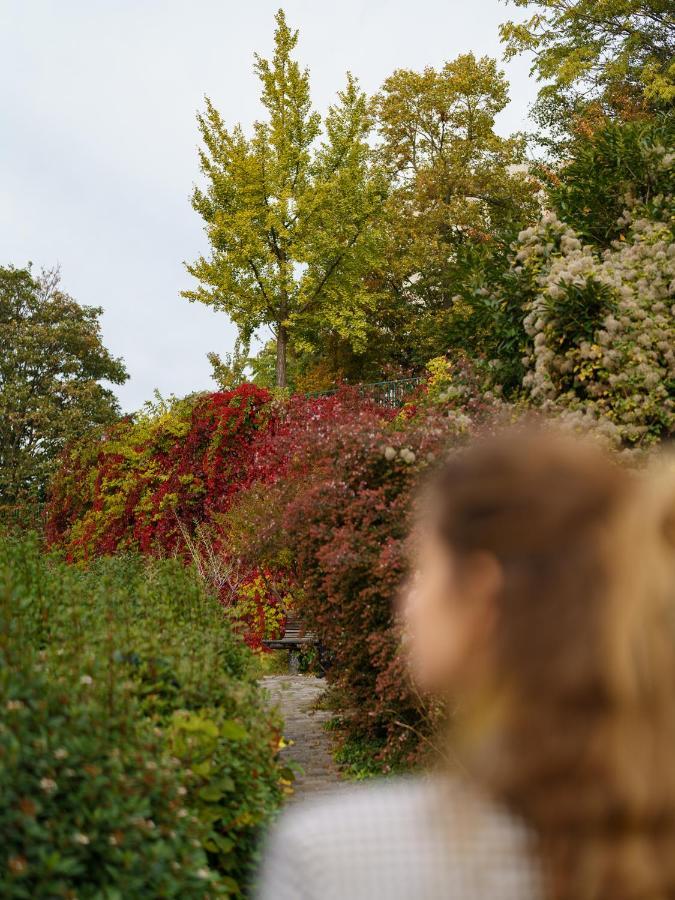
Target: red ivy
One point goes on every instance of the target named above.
(135, 486)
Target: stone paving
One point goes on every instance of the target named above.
(296, 696)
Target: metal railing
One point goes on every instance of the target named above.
(385, 393)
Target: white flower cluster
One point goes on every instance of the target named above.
(602, 328)
(405, 454)
(48, 785)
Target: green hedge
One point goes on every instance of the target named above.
(136, 753)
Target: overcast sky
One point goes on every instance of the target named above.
(98, 140)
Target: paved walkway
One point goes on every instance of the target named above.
(296, 695)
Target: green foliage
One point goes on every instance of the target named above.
(229, 371)
(590, 288)
(51, 368)
(461, 194)
(620, 174)
(358, 757)
(423, 116)
(597, 57)
(83, 813)
(485, 321)
(620, 165)
(165, 684)
(289, 211)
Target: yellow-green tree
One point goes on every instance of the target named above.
(290, 211)
(461, 193)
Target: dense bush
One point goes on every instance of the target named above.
(159, 481)
(338, 516)
(605, 239)
(597, 278)
(162, 482)
(317, 520)
(585, 299)
(149, 665)
(622, 164)
(133, 486)
(84, 813)
(602, 328)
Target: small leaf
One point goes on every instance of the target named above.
(233, 731)
(211, 793)
(225, 844)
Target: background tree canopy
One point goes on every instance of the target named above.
(460, 194)
(359, 244)
(51, 368)
(611, 58)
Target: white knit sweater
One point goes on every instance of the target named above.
(401, 839)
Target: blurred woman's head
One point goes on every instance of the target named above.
(543, 604)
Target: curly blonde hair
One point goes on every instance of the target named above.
(583, 654)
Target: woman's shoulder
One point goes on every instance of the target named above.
(380, 808)
(367, 811)
(408, 836)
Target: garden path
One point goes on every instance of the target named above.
(296, 697)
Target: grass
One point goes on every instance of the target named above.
(357, 758)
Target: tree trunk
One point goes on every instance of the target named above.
(282, 344)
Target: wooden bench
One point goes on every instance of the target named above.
(294, 637)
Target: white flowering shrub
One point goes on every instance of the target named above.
(601, 326)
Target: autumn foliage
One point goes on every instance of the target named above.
(134, 485)
(339, 515)
(305, 504)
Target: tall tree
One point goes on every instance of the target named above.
(597, 58)
(290, 211)
(51, 368)
(461, 194)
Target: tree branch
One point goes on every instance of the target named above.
(331, 269)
